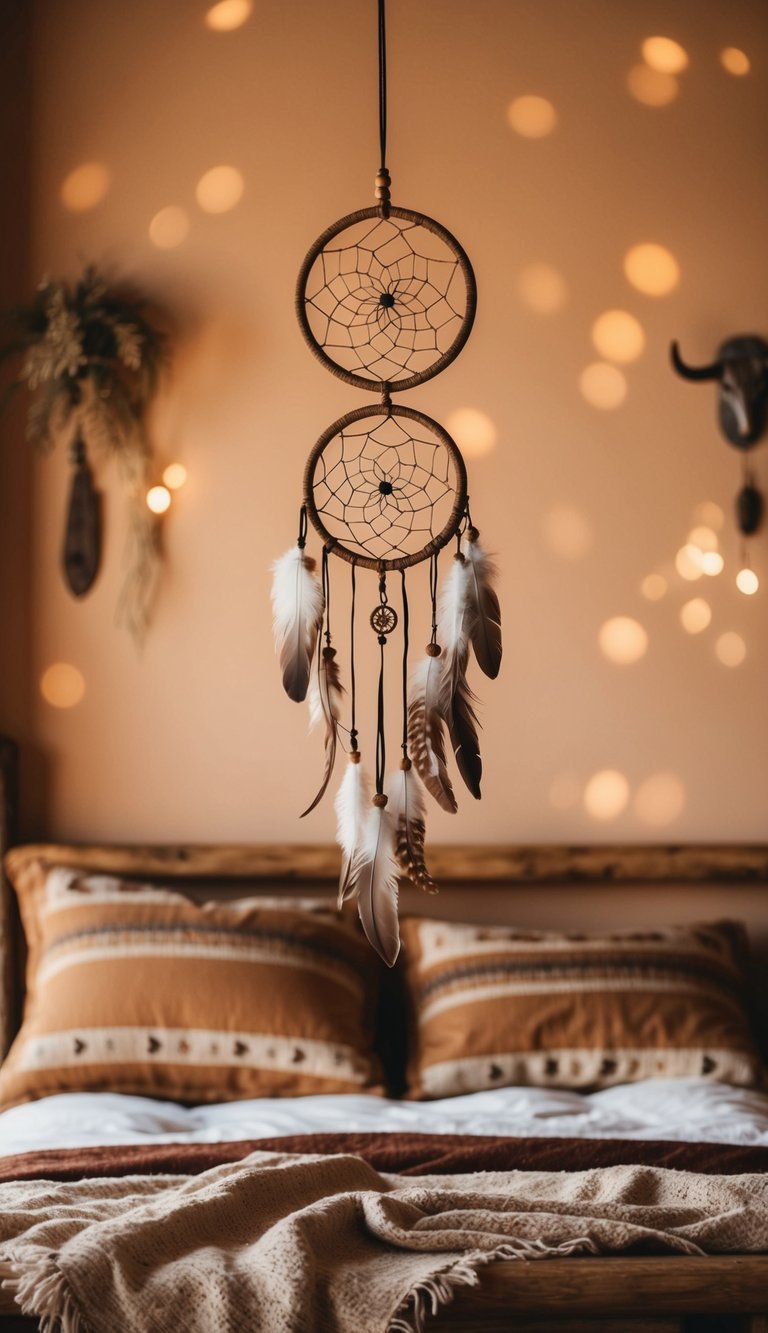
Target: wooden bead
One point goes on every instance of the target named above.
(354, 756)
(380, 800)
(433, 650)
(405, 763)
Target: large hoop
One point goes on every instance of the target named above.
(385, 287)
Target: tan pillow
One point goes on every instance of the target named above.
(138, 989)
(492, 1006)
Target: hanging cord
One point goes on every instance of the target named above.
(301, 540)
(406, 618)
(383, 180)
(326, 583)
(381, 742)
(353, 728)
(382, 86)
(433, 594)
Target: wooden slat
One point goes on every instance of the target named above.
(570, 1288)
(461, 863)
(652, 1290)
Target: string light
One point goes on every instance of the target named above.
(174, 476)
(158, 499)
(747, 581)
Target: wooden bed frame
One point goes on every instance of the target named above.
(531, 885)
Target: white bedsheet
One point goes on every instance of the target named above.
(689, 1109)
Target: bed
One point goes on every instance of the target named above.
(687, 1124)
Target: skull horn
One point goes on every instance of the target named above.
(711, 372)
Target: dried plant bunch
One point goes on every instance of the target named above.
(91, 357)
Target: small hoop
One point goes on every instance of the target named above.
(383, 619)
(459, 488)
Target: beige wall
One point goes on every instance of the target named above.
(193, 739)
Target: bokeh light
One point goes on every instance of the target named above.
(220, 189)
(603, 386)
(169, 227)
(651, 86)
(564, 791)
(85, 187)
(747, 582)
(654, 587)
(174, 476)
(688, 563)
(158, 499)
(709, 515)
(542, 288)
(618, 336)
(623, 640)
(62, 685)
(735, 61)
(703, 537)
(665, 55)
(659, 800)
(533, 117)
(473, 431)
(652, 269)
(567, 531)
(695, 615)
(730, 649)
(228, 15)
(712, 563)
(606, 794)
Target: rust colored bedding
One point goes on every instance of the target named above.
(407, 1154)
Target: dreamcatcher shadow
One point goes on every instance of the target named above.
(386, 299)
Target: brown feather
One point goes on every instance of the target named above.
(426, 739)
(325, 702)
(410, 830)
(484, 618)
(462, 726)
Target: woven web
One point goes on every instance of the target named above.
(385, 298)
(382, 490)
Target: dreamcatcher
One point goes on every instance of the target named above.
(386, 299)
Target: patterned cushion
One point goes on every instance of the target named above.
(138, 989)
(492, 1006)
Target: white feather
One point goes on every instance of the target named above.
(297, 611)
(453, 613)
(374, 880)
(353, 802)
(484, 619)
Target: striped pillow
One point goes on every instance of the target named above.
(138, 989)
(492, 1006)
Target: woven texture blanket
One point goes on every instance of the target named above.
(289, 1243)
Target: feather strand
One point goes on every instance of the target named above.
(374, 881)
(455, 616)
(325, 701)
(484, 610)
(297, 612)
(352, 805)
(408, 814)
(425, 732)
(462, 727)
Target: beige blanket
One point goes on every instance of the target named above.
(297, 1244)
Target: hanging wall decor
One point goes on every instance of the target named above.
(90, 357)
(386, 300)
(740, 372)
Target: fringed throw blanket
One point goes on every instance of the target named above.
(289, 1243)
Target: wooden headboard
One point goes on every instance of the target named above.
(549, 887)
